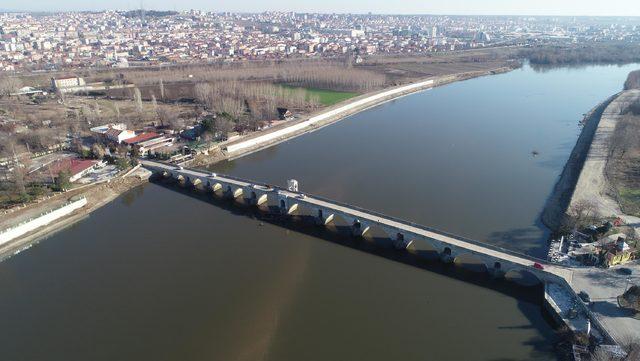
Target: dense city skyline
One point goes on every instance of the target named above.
(461, 7)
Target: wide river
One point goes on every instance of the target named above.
(161, 274)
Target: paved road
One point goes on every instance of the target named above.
(603, 287)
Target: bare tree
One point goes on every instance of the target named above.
(161, 89)
(154, 103)
(137, 98)
(176, 123)
(98, 151)
(20, 169)
(9, 85)
(165, 115)
(223, 126)
(582, 213)
(116, 109)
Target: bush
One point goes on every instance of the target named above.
(63, 181)
(122, 163)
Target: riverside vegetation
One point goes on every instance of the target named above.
(623, 165)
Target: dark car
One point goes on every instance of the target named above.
(584, 297)
(625, 271)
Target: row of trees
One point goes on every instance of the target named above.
(258, 101)
(315, 74)
(606, 53)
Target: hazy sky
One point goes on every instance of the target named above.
(481, 7)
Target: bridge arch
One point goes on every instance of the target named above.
(471, 262)
(422, 248)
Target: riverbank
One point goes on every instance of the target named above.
(97, 196)
(260, 140)
(584, 183)
(557, 204)
(593, 185)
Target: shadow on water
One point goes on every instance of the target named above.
(527, 239)
(530, 298)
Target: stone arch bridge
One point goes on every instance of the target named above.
(405, 235)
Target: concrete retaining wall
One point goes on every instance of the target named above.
(16, 231)
(368, 101)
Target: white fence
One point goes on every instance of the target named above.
(43, 219)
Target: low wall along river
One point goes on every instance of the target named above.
(32, 224)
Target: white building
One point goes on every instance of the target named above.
(119, 135)
(67, 82)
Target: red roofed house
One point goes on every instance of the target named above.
(77, 167)
(148, 141)
(142, 137)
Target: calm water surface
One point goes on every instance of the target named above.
(161, 275)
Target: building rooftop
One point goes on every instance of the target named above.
(73, 165)
(142, 137)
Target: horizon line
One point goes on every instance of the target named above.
(320, 13)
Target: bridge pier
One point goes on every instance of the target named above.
(355, 228)
(496, 271)
(285, 206)
(216, 187)
(323, 217)
(446, 255)
(399, 240)
(256, 199)
(196, 182)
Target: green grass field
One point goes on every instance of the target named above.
(326, 97)
(630, 200)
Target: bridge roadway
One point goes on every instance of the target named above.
(405, 234)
